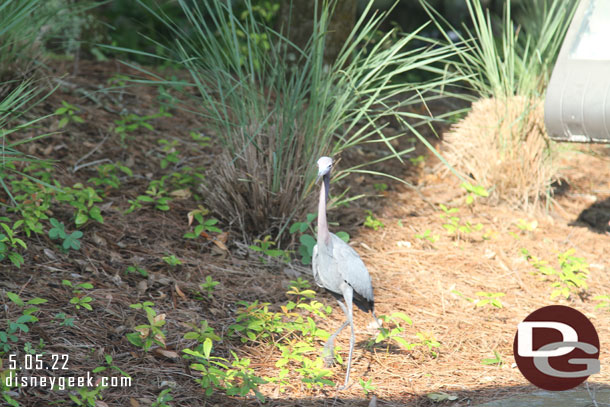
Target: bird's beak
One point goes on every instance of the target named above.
(318, 177)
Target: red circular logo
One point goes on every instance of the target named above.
(556, 348)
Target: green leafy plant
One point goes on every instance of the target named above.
(367, 386)
(84, 396)
(204, 333)
(68, 114)
(172, 260)
(68, 241)
(204, 225)
(307, 241)
(395, 333)
(420, 159)
(372, 222)
(8, 376)
(163, 398)
(489, 298)
(209, 286)
(38, 350)
(427, 340)
(155, 194)
(79, 300)
(83, 199)
(292, 330)
(201, 139)
(9, 243)
(135, 269)
(473, 191)
(571, 278)
(235, 377)
(110, 366)
(148, 334)
(604, 301)
(132, 122)
(381, 187)
(28, 309)
(496, 360)
(427, 235)
(108, 175)
(264, 247)
(455, 226)
(526, 226)
(171, 154)
(65, 320)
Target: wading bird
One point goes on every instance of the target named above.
(338, 268)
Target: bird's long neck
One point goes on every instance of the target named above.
(323, 233)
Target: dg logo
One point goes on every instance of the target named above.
(556, 348)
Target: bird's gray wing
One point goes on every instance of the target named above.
(352, 268)
(315, 266)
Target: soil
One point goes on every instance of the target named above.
(434, 281)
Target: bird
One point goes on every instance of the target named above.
(339, 269)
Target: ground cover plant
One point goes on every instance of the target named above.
(114, 264)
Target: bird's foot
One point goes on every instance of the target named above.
(344, 387)
(328, 355)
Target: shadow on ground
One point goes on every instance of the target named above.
(596, 217)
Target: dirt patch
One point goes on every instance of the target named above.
(431, 280)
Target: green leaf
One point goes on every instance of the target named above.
(343, 236)
(15, 298)
(25, 319)
(207, 347)
(63, 122)
(96, 214)
(403, 316)
(401, 341)
(81, 219)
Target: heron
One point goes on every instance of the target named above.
(340, 270)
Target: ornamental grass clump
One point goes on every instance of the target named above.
(501, 144)
(274, 108)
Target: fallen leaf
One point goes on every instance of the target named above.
(223, 237)
(98, 240)
(220, 244)
(179, 291)
(133, 402)
(181, 194)
(441, 396)
(142, 287)
(170, 354)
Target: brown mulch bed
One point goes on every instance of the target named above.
(411, 275)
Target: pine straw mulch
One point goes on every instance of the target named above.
(409, 274)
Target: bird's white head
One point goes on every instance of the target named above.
(324, 166)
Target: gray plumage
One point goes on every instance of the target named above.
(338, 262)
(338, 268)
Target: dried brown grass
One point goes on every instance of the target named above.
(243, 188)
(502, 146)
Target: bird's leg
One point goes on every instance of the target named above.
(328, 351)
(348, 294)
(376, 320)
